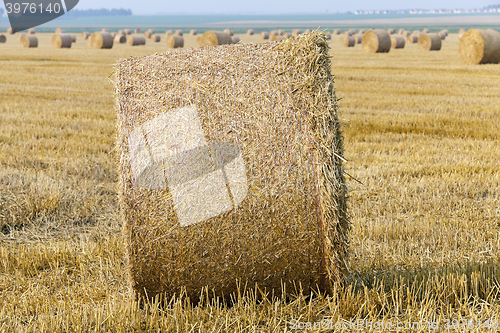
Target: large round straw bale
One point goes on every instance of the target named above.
(29, 41)
(11, 31)
(391, 31)
(235, 39)
(397, 42)
(445, 31)
(127, 31)
(348, 33)
(136, 40)
(336, 31)
(480, 47)
(120, 39)
(174, 41)
(149, 33)
(193, 32)
(138, 31)
(376, 41)
(229, 32)
(441, 35)
(219, 191)
(59, 31)
(169, 32)
(361, 31)
(156, 38)
(264, 35)
(89, 41)
(406, 33)
(296, 32)
(210, 38)
(20, 35)
(101, 40)
(178, 33)
(85, 35)
(412, 39)
(400, 31)
(31, 31)
(429, 42)
(250, 32)
(61, 41)
(73, 38)
(3, 39)
(347, 41)
(425, 30)
(358, 38)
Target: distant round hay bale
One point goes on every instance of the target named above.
(352, 31)
(281, 32)
(11, 31)
(400, 31)
(264, 35)
(104, 30)
(60, 41)
(397, 42)
(328, 36)
(307, 31)
(59, 31)
(376, 41)
(29, 41)
(120, 32)
(480, 47)
(277, 38)
(441, 35)
(296, 32)
(391, 31)
(156, 38)
(348, 33)
(127, 31)
(149, 33)
(113, 34)
(229, 32)
(136, 40)
(178, 33)
(445, 31)
(250, 32)
(347, 41)
(412, 39)
(137, 31)
(169, 32)
(425, 30)
(85, 35)
(120, 39)
(193, 32)
(73, 38)
(416, 33)
(361, 31)
(211, 38)
(20, 35)
(358, 38)
(336, 31)
(3, 39)
(273, 33)
(429, 42)
(31, 31)
(174, 41)
(235, 39)
(406, 33)
(101, 40)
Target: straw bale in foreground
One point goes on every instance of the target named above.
(376, 41)
(429, 42)
(480, 47)
(230, 169)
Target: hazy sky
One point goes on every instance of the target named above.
(151, 7)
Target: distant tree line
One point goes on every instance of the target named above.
(99, 12)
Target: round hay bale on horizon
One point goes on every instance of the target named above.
(193, 32)
(29, 41)
(178, 33)
(138, 31)
(406, 33)
(352, 31)
(361, 31)
(376, 41)
(89, 41)
(149, 33)
(250, 32)
(113, 34)
(441, 35)
(277, 38)
(175, 41)
(397, 42)
(281, 32)
(104, 30)
(120, 32)
(412, 39)
(347, 41)
(120, 39)
(11, 31)
(169, 32)
(348, 33)
(235, 39)
(101, 40)
(127, 31)
(445, 31)
(212, 38)
(425, 30)
(3, 39)
(264, 35)
(155, 38)
(31, 31)
(229, 32)
(273, 33)
(85, 35)
(429, 42)
(400, 31)
(416, 33)
(136, 40)
(480, 47)
(60, 41)
(60, 31)
(391, 31)
(336, 32)
(296, 32)
(358, 38)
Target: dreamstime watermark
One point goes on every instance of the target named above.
(390, 326)
(26, 14)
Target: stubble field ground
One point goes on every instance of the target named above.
(422, 136)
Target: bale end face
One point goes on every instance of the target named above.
(429, 42)
(28, 41)
(480, 47)
(174, 41)
(376, 41)
(347, 41)
(61, 41)
(212, 38)
(101, 40)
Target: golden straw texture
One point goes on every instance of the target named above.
(276, 103)
(480, 47)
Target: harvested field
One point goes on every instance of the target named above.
(421, 135)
